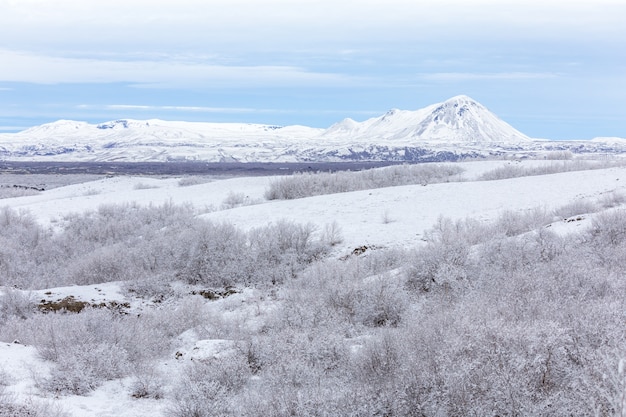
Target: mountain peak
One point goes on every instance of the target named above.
(58, 127)
(125, 124)
(458, 119)
(461, 98)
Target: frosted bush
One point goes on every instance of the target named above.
(504, 172)
(12, 192)
(559, 155)
(84, 367)
(332, 234)
(511, 224)
(514, 171)
(233, 200)
(577, 207)
(608, 228)
(93, 346)
(612, 199)
(12, 407)
(15, 303)
(148, 382)
(440, 264)
(144, 186)
(206, 388)
(106, 264)
(308, 184)
(189, 181)
(216, 255)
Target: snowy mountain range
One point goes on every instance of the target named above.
(459, 127)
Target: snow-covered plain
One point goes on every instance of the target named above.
(376, 218)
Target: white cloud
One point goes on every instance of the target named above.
(469, 76)
(250, 24)
(32, 68)
(220, 110)
(198, 109)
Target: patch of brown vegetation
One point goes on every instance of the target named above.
(215, 294)
(73, 305)
(67, 304)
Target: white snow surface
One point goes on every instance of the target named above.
(386, 217)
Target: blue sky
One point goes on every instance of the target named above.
(552, 69)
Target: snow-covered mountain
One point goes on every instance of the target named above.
(457, 120)
(457, 128)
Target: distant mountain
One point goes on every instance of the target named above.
(457, 120)
(457, 128)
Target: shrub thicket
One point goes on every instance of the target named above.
(309, 184)
(499, 318)
(513, 170)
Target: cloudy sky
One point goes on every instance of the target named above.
(553, 69)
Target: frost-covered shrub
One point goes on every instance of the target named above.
(15, 191)
(438, 265)
(233, 200)
(504, 172)
(309, 184)
(511, 224)
(332, 234)
(150, 246)
(12, 407)
(606, 238)
(144, 186)
(15, 303)
(298, 371)
(113, 243)
(195, 180)
(608, 228)
(612, 199)
(559, 155)
(23, 245)
(207, 388)
(114, 223)
(514, 171)
(148, 382)
(82, 368)
(92, 346)
(217, 256)
(221, 255)
(375, 302)
(334, 293)
(577, 207)
(384, 302)
(105, 264)
(281, 249)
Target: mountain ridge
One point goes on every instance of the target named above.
(457, 128)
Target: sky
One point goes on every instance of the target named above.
(552, 69)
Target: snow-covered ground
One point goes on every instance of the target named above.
(380, 217)
(385, 217)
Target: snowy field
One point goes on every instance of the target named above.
(396, 220)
